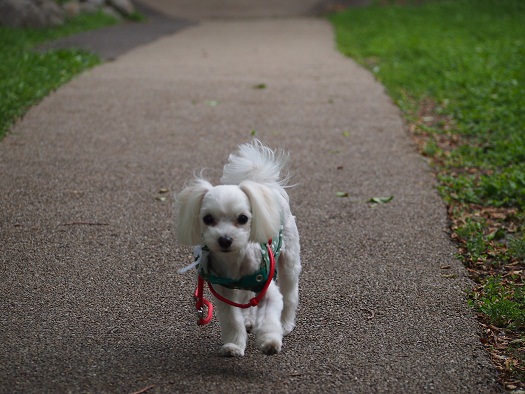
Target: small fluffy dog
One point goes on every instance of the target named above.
(231, 221)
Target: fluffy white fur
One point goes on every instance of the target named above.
(248, 208)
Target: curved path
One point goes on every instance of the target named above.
(91, 301)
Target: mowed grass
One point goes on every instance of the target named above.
(457, 71)
(27, 76)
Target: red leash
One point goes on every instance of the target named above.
(200, 300)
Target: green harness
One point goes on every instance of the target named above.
(253, 282)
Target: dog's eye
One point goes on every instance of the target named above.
(208, 220)
(242, 219)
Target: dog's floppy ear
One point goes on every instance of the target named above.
(266, 215)
(189, 202)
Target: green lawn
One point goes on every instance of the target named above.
(27, 76)
(457, 71)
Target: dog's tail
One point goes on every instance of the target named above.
(258, 163)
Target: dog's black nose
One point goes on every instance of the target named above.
(225, 242)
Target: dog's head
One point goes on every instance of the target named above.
(227, 217)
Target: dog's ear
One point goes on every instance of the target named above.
(189, 202)
(266, 215)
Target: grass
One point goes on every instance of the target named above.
(457, 71)
(27, 76)
(501, 303)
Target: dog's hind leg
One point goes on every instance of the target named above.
(269, 331)
(288, 277)
(248, 313)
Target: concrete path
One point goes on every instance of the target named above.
(91, 301)
(113, 41)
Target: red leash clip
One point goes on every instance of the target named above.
(200, 301)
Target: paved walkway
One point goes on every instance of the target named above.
(91, 301)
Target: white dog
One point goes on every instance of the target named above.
(233, 222)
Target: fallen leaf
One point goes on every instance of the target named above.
(497, 235)
(260, 86)
(380, 200)
(212, 103)
(341, 194)
(346, 133)
(141, 391)
(163, 190)
(371, 313)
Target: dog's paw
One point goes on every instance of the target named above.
(270, 346)
(249, 323)
(288, 327)
(231, 350)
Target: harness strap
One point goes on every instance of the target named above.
(255, 300)
(200, 300)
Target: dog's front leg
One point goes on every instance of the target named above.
(231, 321)
(269, 330)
